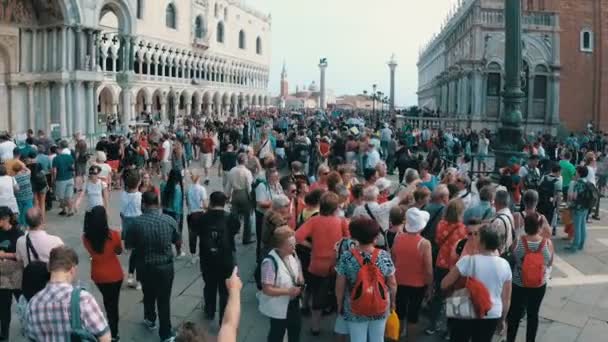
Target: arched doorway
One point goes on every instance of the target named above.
(157, 104)
(107, 105)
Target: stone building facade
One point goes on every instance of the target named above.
(461, 71)
(70, 63)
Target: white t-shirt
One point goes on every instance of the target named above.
(264, 193)
(493, 272)
(591, 175)
(130, 204)
(94, 192)
(483, 146)
(6, 150)
(7, 193)
(167, 150)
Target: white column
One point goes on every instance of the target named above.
(147, 106)
(133, 110)
(530, 103)
(45, 50)
(23, 53)
(30, 105)
(17, 122)
(69, 109)
(64, 51)
(126, 107)
(78, 65)
(47, 104)
(91, 107)
(35, 67)
(78, 113)
(163, 111)
(63, 115)
(323, 100)
(188, 105)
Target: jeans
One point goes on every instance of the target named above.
(215, 284)
(474, 330)
(156, 284)
(528, 299)
(437, 301)
(241, 206)
(367, 331)
(111, 295)
(259, 220)
(179, 218)
(192, 237)
(293, 324)
(580, 228)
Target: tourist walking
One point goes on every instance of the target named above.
(581, 201)
(172, 202)
(238, 188)
(494, 273)
(104, 245)
(196, 200)
(63, 178)
(151, 236)
(24, 195)
(365, 325)
(533, 254)
(282, 286)
(130, 208)
(53, 304)
(216, 230)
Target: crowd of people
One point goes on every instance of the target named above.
(333, 233)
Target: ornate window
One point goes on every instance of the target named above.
(225, 13)
(241, 39)
(586, 40)
(494, 80)
(216, 10)
(199, 27)
(493, 89)
(140, 9)
(220, 32)
(171, 16)
(258, 46)
(539, 98)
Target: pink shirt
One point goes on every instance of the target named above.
(42, 242)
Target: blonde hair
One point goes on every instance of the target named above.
(454, 211)
(280, 235)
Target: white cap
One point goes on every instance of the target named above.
(416, 220)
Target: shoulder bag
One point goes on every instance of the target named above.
(459, 305)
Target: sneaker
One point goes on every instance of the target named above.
(131, 282)
(180, 255)
(138, 287)
(149, 324)
(62, 213)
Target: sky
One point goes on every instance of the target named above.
(357, 37)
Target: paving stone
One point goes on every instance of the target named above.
(594, 331)
(560, 332)
(572, 313)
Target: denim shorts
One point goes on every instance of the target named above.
(64, 190)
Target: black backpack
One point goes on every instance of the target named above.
(35, 274)
(589, 197)
(38, 180)
(532, 179)
(546, 192)
(214, 239)
(254, 186)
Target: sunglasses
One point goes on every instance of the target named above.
(324, 173)
(473, 234)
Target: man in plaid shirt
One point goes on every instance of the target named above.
(47, 317)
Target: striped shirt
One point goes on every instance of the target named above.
(519, 253)
(47, 317)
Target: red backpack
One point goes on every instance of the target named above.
(533, 265)
(369, 296)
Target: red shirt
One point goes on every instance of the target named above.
(105, 267)
(408, 259)
(324, 148)
(448, 235)
(325, 232)
(207, 145)
(318, 185)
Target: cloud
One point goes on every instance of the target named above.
(357, 37)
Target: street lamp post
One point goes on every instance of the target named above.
(510, 133)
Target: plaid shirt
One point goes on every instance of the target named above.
(47, 318)
(151, 236)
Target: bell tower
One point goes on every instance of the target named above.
(284, 83)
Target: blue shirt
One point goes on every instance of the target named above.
(196, 197)
(44, 161)
(177, 203)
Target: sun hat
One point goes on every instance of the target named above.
(416, 220)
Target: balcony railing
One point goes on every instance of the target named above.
(496, 17)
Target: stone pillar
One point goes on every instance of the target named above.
(530, 103)
(45, 50)
(323, 100)
(54, 65)
(163, 111)
(188, 109)
(147, 106)
(92, 47)
(17, 121)
(78, 112)
(30, 105)
(207, 108)
(64, 49)
(392, 64)
(133, 114)
(47, 103)
(34, 51)
(553, 101)
(126, 107)
(69, 110)
(23, 54)
(477, 92)
(78, 48)
(63, 115)
(91, 107)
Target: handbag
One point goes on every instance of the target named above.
(392, 329)
(459, 305)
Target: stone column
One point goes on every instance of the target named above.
(17, 120)
(92, 47)
(126, 107)
(553, 100)
(34, 51)
(69, 110)
(78, 113)
(92, 108)
(323, 100)
(147, 106)
(47, 103)
(30, 105)
(392, 64)
(79, 48)
(530, 103)
(188, 109)
(64, 49)
(207, 108)
(163, 111)
(478, 97)
(23, 54)
(133, 109)
(63, 115)
(45, 50)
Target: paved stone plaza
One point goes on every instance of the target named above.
(574, 309)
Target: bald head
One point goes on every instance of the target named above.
(33, 218)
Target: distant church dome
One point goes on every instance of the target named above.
(313, 87)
